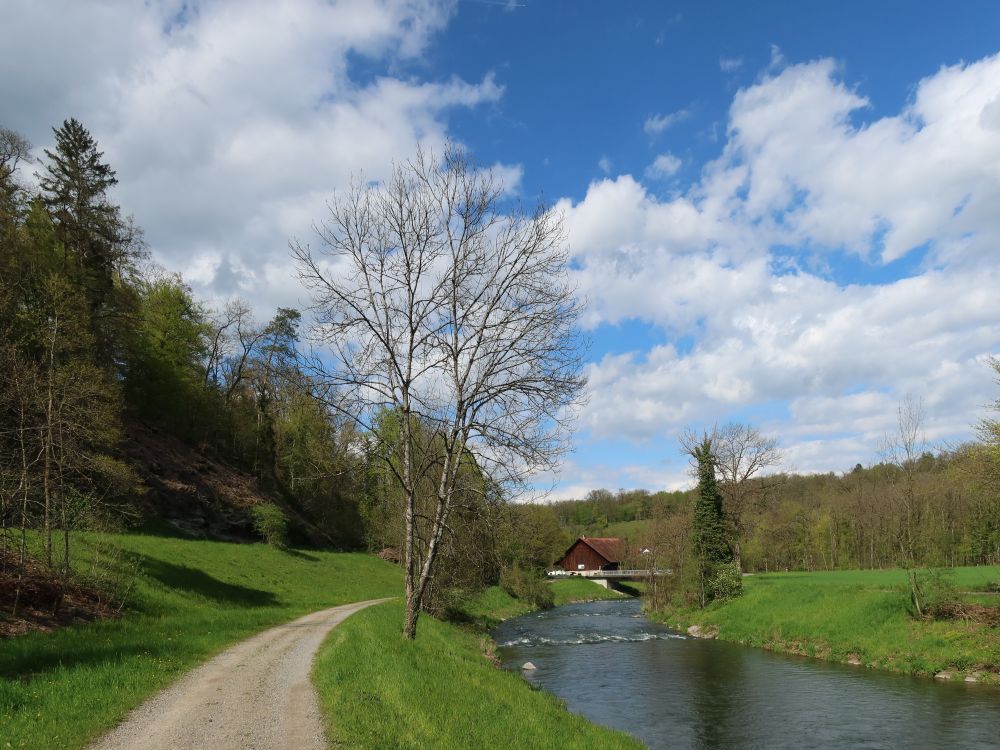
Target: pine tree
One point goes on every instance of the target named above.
(98, 245)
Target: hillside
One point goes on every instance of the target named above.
(197, 492)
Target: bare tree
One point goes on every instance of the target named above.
(224, 328)
(14, 149)
(458, 319)
(742, 454)
(902, 450)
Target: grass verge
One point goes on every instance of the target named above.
(855, 617)
(380, 691)
(493, 605)
(191, 600)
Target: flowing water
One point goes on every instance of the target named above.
(611, 664)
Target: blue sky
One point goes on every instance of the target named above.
(782, 213)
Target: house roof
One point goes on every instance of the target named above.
(608, 547)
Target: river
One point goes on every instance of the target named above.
(611, 664)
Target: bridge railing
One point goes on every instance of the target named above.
(611, 573)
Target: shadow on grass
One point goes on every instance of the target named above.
(199, 582)
(159, 528)
(301, 555)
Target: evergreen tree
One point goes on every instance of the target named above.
(98, 245)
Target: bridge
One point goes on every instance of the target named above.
(607, 578)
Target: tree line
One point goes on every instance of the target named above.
(911, 507)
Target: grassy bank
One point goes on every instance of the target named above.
(493, 605)
(379, 691)
(190, 600)
(855, 616)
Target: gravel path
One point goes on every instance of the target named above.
(255, 695)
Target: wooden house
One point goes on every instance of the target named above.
(592, 553)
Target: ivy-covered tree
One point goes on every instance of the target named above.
(717, 576)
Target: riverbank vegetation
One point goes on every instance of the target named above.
(188, 601)
(860, 617)
(378, 690)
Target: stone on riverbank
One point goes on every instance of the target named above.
(708, 632)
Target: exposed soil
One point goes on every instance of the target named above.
(195, 491)
(44, 602)
(969, 612)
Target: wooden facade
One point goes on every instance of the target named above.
(592, 554)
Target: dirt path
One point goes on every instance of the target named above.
(255, 695)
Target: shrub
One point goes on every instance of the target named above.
(724, 583)
(527, 586)
(270, 522)
(933, 592)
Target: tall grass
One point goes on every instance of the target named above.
(191, 600)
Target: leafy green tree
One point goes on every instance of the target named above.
(316, 459)
(166, 358)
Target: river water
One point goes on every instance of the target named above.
(611, 664)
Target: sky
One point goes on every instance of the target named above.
(786, 214)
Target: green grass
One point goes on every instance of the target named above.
(629, 530)
(568, 590)
(191, 599)
(379, 691)
(844, 614)
(493, 605)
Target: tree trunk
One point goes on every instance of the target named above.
(412, 602)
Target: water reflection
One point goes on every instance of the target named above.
(614, 666)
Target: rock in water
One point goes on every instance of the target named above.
(528, 666)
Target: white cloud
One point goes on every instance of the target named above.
(798, 171)
(663, 167)
(230, 123)
(657, 124)
(605, 164)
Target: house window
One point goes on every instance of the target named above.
(581, 566)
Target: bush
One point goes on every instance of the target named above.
(725, 583)
(270, 522)
(933, 592)
(527, 586)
